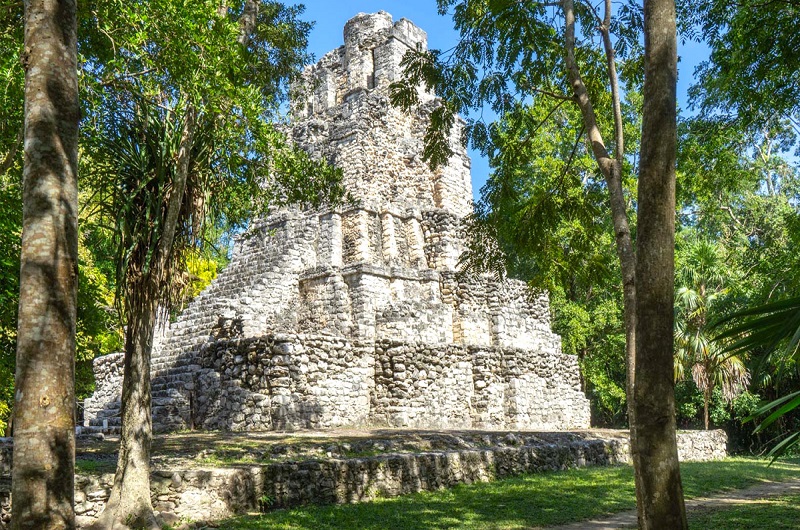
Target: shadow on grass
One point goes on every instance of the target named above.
(522, 502)
(780, 513)
(530, 501)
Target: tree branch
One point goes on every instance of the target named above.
(581, 95)
(554, 95)
(728, 209)
(247, 22)
(12, 154)
(619, 137)
(612, 171)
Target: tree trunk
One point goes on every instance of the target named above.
(44, 399)
(706, 399)
(655, 454)
(129, 505)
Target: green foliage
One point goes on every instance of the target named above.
(11, 108)
(172, 61)
(10, 237)
(701, 280)
(745, 404)
(688, 403)
(98, 331)
(542, 219)
(511, 54)
(162, 55)
(773, 330)
(544, 202)
(201, 271)
(592, 330)
(737, 191)
(751, 75)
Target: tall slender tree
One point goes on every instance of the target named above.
(44, 404)
(655, 450)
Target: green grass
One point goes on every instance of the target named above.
(777, 513)
(523, 502)
(227, 458)
(94, 467)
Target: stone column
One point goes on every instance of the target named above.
(416, 244)
(363, 250)
(359, 34)
(390, 251)
(330, 240)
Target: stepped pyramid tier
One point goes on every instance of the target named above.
(356, 315)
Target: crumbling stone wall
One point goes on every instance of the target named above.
(216, 493)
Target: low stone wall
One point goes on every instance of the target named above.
(450, 386)
(702, 445)
(209, 494)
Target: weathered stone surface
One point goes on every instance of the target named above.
(356, 315)
(452, 458)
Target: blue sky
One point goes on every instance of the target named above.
(330, 17)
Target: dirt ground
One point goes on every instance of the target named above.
(201, 448)
(753, 494)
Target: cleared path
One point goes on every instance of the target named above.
(714, 502)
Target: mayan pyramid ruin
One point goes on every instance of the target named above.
(356, 316)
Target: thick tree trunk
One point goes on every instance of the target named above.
(129, 505)
(44, 398)
(655, 453)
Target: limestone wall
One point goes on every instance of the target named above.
(341, 112)
(702, 445)
(283, 382)
(104, 404)
(317, 382)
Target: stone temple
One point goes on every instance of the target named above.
(356, 316)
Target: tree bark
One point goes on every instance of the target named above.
(44, 398)
(129, 505)
(247, 22)
(131, 491)
(655, 453)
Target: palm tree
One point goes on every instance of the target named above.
(701, 277)
(773, 329)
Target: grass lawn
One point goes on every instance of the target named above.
(777, 513)
(529, 501)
